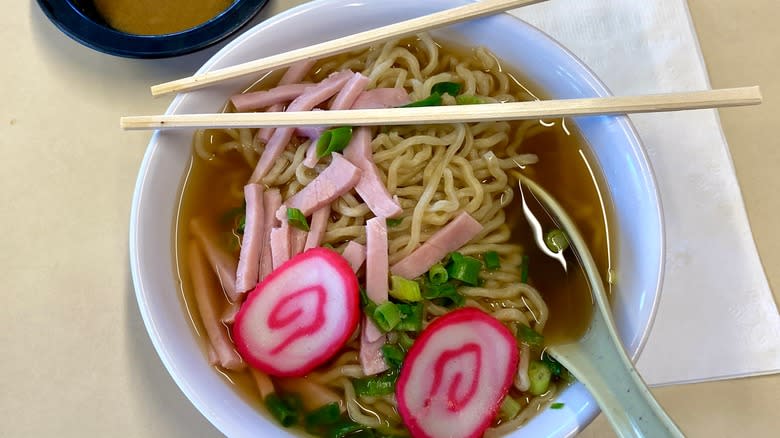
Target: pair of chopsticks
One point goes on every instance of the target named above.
(404, 116)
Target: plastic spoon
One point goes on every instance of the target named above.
(598, 359)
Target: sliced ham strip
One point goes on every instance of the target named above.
(338, 178)
(212, 355)
(280, 245)
(355, 254)
(311, 159)
(376, 269)
(370, 187)
(312, 97)
(261, 99)
(252, 243)
(272, 200)
(349, 94)
(222, 263)
(344, 100)
(381, 98)
(229, 314)
(265, 134)
(317, 227)
(312, 133)
(206, 295)
(372, 361)
(296, 72)
(297, 241)
(263, 382)
(448, 239)
(376, 260)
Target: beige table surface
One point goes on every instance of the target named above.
(75, 359)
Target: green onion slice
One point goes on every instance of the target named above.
(394, 355)
(464, 268)
(323, 416)
(437, 274)
(529, 336)
(333, 140)
(492, 261)
(386, 316)
(539, 375)
(445, 295)
(556, 240)
(451, 88)
(468, 99)
(297, 219)
(556, 406)
(524, 269)
(394, 222)
(509, 408)
(375, 386)
(286, 414)
(411, 317)
(404, 290)
(432, 100)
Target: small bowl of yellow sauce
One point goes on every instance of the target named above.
(149, 28)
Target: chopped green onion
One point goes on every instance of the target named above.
(297, 219)
(394, 222)
(509, 408)
(437, 274)
(539, 375)
(386, 316)
(375, 386)
(556, 406)
(323, 416)
(468, 99)
(286, 414)
(364, 300)
(333, 140)
(529, 336)
(364, 433)
(492, 261)
(394, 355)
(404, 290)
(432, 100)
(524, 269)
(445, 295)
(405, 340)
(451, 88)
(556, 240)
(411, 317)
(556, 369)
(345, 427)
(464, 268)
(241, 224)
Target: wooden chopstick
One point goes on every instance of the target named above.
(409, 27)
(458, 113)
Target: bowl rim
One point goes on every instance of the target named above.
(67, 17)
(589, 410)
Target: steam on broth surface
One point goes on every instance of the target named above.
(474, 179)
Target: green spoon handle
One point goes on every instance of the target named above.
(606, 371)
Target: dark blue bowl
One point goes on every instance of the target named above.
(79, 20)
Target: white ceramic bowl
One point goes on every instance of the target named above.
(637, 250)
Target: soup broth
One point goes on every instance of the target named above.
(562, 170)
(154, 17)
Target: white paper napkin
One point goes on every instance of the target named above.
(717, 318)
